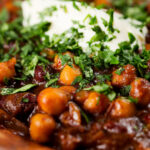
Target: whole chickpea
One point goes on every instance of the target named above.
(53, 100)
(7, 69)
(140, 90)
(81, 96)
(122, 107)
(100, 2)
(69, 74)
(41, 127)
(57, 65)
(96, 103)
(125, 78)
(69, 89)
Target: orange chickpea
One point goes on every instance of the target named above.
(9, 5)
(41, 127)
(53, 100)
(81, 96)
(69, 89)
(147, 46)
(96, 103)
(57, 61)
(49, 52)
(126, 76)
(140, 90)
(121, 108)
(69, 74)
(99, 2)
(7, 69)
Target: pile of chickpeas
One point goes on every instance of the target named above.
(54, 101)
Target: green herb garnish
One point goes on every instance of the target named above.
(7, 91)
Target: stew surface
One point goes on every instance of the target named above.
(56, 96)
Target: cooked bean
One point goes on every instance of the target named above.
(122, 107)
(81, 96)
(140, 90)
(147, 46)
(126, 76)
(53, 100)
(100, 2)
(96, 103)
(7, 69)
(41, 127)
(69, 74)
(69, 89)
(49, 52)
(58, 62)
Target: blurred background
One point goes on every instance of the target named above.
(137, 9)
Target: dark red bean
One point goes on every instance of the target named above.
(39, 74)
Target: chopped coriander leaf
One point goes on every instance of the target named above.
(133, 100)
(93, 20)
(85, 64)
(99, 36)
(76, 6)
(103, 77)
(87, 119)
(98, 100)
(129, 55)
(48, 12)
(65, 59)
(88, 16)
(64, 8)
(119, 71)
(67, 41)
(99, 88)
(131, 37)
(83, 84)
(125, 90)
(4, 15)
(25, 100)
(105, 22)
(129, 9)
(147, 76)
(111, 20)
(7, 91)
(6, 80)
(29, 64)
(78, 79)
(103, 88)
(50, 82)
(111, 95)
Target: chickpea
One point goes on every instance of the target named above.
(140, 90)
(7, 69)
(53, 100)
(121, 108)
(147, 46)
(49, 52)
(126, 76)
(81, 96)
(69, 74)
(96, 103)
(57, 61)
(69, 89)
(99, 2)
(41, 127)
